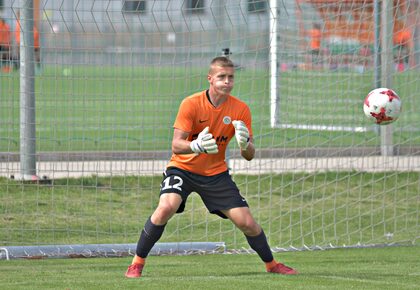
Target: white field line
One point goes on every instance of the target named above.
(326, 128)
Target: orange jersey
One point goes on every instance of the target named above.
(17, 35)
(17, 32)
(315, 38)
(36, 38)
(402, 37)
(195, 113)
(4, 34)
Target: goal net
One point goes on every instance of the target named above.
(108, 83)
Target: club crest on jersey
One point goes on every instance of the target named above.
(227, 120)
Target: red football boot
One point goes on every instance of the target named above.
(134, 271)
(282, 269)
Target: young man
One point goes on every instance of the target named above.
(205, 124)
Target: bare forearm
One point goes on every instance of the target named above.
(181, 147)
(249, 152)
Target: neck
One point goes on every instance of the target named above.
(215, 99)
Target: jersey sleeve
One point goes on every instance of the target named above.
(185, 118)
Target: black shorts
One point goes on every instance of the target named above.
(315, 52)
(218, 192)
(4, 48)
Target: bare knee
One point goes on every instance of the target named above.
(243, 220)
(249, 227)
(168, 205)
(162, 214)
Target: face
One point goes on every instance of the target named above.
(221, 80)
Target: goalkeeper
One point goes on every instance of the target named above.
(205, 124)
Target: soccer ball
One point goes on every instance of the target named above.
(382, 106)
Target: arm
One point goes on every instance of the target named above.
(245, 141)
(180, 145)
(204, 143)
(183, 128)
(249, 152)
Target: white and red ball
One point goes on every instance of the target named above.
(382, 106)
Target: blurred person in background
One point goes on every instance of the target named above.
(5, 45)
(403, 46)
(315, 35)
(37, 51)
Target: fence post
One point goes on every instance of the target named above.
(27, 92)
(387, 21)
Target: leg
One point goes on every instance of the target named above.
(37, 54)
(155, 225)
(152, 231)
(243, 219)
(167, 207)
(4, 59)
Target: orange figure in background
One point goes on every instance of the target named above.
(403, 45)
(5, 44)
(315, 35)
(36, 41)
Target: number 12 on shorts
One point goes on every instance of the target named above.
(176, 183)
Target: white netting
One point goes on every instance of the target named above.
(113, 73)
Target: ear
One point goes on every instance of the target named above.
(208, 77)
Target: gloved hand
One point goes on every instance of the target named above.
(204, 143)
(241, 134)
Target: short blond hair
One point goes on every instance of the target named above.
(220, 61)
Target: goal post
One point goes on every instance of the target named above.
(274, 63)
(387, 59)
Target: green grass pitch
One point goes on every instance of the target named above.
(119, 109)
(294, 209)
(127, 108)
(377, 268)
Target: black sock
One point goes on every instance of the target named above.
(259, 244)
(150, 234)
